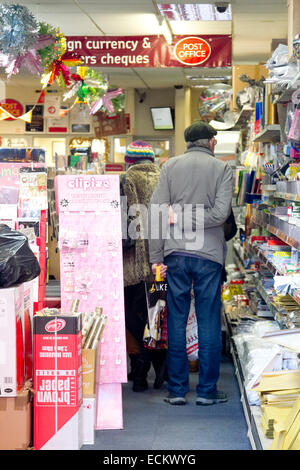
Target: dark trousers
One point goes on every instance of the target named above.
(205, 277)
(136, 314)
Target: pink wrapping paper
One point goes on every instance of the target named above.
(91, 262)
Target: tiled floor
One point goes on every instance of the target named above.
(151, 424)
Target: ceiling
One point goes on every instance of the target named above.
(254, 24)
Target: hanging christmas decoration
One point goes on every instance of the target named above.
(59, 71)
(19, 29)
(30, 59)
(91, 87)
(112, 101)
(88, 85)
(41, 48)
(55, 49)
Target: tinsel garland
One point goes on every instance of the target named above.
(54, 50)
(42, 48)
(87, 84)
(19, 30)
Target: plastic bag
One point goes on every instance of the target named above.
(214, 102)
(294, 132)
(17, 261)
(155, 333)
(192, 346)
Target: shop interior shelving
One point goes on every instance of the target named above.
(285, 96)
(271, 133)
(278, 233)
(286, 196)
(252, 412)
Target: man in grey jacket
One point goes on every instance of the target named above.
(196, 190)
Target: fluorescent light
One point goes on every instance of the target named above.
(166, 30)
(194, 12)
(208, 78)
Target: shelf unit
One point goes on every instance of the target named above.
(270, 133)
(285, 95)
(259, 286)
(286, 196)
(253, 251)
(279, 234)
(252, 413)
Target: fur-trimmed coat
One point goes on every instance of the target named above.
(138, 185)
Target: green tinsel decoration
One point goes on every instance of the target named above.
(52, 52)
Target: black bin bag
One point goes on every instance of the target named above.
(18, 264)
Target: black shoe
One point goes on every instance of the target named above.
(140, 383)
(134, 358)
(140, 386)
(159, 362)
(161, 376)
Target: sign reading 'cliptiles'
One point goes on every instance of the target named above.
(153, 51)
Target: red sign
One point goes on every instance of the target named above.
(114, 167)
(153, 51)
(192, 51)
(13, 107)
(55, 325)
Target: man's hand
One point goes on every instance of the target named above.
(172, 216)
(163, 269)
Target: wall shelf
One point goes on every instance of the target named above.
(285, 95)
(287, 196)
(270, 133)
(252, 413)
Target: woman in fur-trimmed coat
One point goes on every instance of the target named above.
(138, 184)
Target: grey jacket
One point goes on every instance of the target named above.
(192, 179)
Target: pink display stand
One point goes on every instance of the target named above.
(109, 416)
(91, 266)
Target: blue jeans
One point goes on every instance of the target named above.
(205, 276)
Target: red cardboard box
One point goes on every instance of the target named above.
(57, 365)
(11, 340)
(27, 330)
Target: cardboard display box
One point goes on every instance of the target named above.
(16, 421)
(89, 357)
(11, 340)
(57, 382)
(88, 420)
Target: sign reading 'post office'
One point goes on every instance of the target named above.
(153, 51)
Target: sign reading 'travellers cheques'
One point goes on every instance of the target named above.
(153, 51)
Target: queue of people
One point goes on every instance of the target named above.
(197, 190)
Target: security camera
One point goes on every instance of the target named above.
(221, 7)
(141, 96)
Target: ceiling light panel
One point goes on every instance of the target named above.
(194, 12)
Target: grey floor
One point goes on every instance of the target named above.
(151, 424)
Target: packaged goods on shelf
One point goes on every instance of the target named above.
(11, 341)
(279, 395)
(92, 330)
(259, 356)
(23, 196)
(287, 434)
